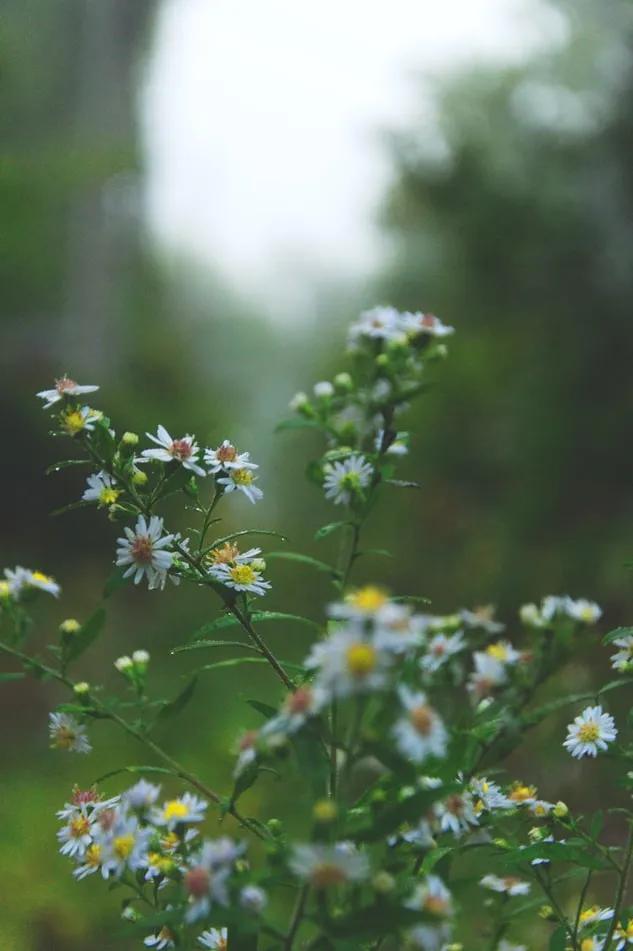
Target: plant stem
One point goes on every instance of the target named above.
(581, 901)
(96, 705)
(624, 874)
(560, 914)
(297, 917)
(244, 620)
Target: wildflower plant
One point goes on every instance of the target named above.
(401, 719)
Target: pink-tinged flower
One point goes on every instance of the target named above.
(64, 386)
(184, 450)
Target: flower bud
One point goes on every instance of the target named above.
(139, 477)
(253, 899)
(299, 402)
(140, 658)
(323, 390)
(70, 626)
(129, 439)
(343, 381)
(547, 912)
(123, 664)
(383, 883)
(82, 688)
(258, 564)
(560, 810)
(382, 360)
(5, 591)
(324, 811)
(275, 827)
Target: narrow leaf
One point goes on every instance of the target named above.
(85, 636)
(180, 701)
(326, 530)
(65, 464)
(246, 531)
(302, 559)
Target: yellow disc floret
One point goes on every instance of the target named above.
(175, 809)
(361, 659)
(243, 574)
(368, 600)
(589, 732)
(122, 846)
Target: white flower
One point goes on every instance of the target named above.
(101, 489)
(75, 420)
(326, 865)
(504, 652)
(509, 946)
(344, 481)
(64, 387)
(187, 808)
(162, 939)
(184, 450)
(297, 709)
(440, 649)
(421, 836)
(140, 657)
(323, 390)
(588, 612)
(488, 674)
(399, 446)
(419, 323)
(489, 796)
(123, 843)
(91, 862)
(298, 401)
(555, 604)
(397, 629)
(215, 939)
(76, 835)
(364, 604)
(253, 899)
(144, 551)
(206, 878)
(482, 617)
(241, 576)
(422, 733)
(596, 943)
(348, 664)
(530, 615)
(456, 813)
(226, 457)
(431, 896)
(594, 914)
(622, 660)
(508, 885)
(242, 480)
(379, 323)
(590, 732)
(430, 937)
(20, 579)
(142, 795)
(68, 734)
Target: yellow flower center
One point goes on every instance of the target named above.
(170, 841)
(175, 809)
(41, 577)
(242, 476)
(108, 495)
(79, 827)
(589, 914)
(5, 591)
(435, 904)
(589, 732)
(243, 574)
(368, 599)
(361, 659)
(498, 651)
(65, 738)
(520, 793)
(123, 845)
(93, 855)
(73, 421)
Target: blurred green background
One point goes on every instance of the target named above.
(517, 228)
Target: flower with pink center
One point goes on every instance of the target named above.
(226, 457)
(64, 386)
(143, 551)
(184, 450)
(428, 324)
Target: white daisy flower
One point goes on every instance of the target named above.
(440, 649)
(66, 733)
(456, 813)
(76, 835)
(430, 937)
(327, 865)
(623, 935)
(75, 420)
(298, 707)
(241, 575)
(206, 879)
(85, 799)
(521, 795)
(226, 457)
(91, 862)
(215, 939)
(142, 795)
(540, 808)
(144, 551)
(347, 664)
(422, 733)
(184, 450)
(242, 480)
(431, 896)
(489, 796)
(531, 616)
(504, 652)
(323, 390)
(397, 629)
(588, 612)
(162, 939)
(590, 732)
(596, 943)
(124, 843)
(425, 324)
(364, 604)
(488, 674)
(399, 446)
(187, 808)
(379, 323)
(253, 899)
(64, 387)
(594, 914)
(555, 604)
(421, 836)
(101, 489)
(482, 617)
(20, 579)
(622, 660)
(345, 481)
(508, 885)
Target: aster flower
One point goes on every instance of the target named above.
(422, 732)
(66, 733)
(76, 835)
(489, 796)
(243, 573)
(205, 880)
(440, 649)
(345, 481)
(75, 420)
(482, 617)
(141, 796)
(622, 660)
(456, 813)
(187, 808)
(162, 939)
(588, 612)
(593, 915)
(327, 865)
(364, 604)
(431, 896)
(90, 863)
(397, 629)
(253, 899)
(242, 480)
(124, 843)
(64, 386)
(215, 939)
(623, 935)
(299, 706)
(590, 732)
(323, 390)
(226, 457)
(184, 450)
(508, 885)
(101, 489)
(144, 551)
(488, 674)
(428, 324)
(521, 795)
(348, 664)
(430, 937)
(379, 323)
(21, 579)
(504, 652)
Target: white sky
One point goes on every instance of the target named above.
(262, 121)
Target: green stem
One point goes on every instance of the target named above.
(560, 914)
(174, 765)
(581, 902)
(297, 917)
(621, 892)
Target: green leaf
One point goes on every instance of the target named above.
(236, 661)
(302, 559)
(326, 530)
(245, 531)
(180, 701)
(81, 504)
(618, 632)
(378, 552)
(558, 941)
(6, 678)
(265, 709)
(115, 581)
(228, 620)
(85, 636)
(258, 616)
(66, 464)
(136, 770)
(403, 484)
(297, 422)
